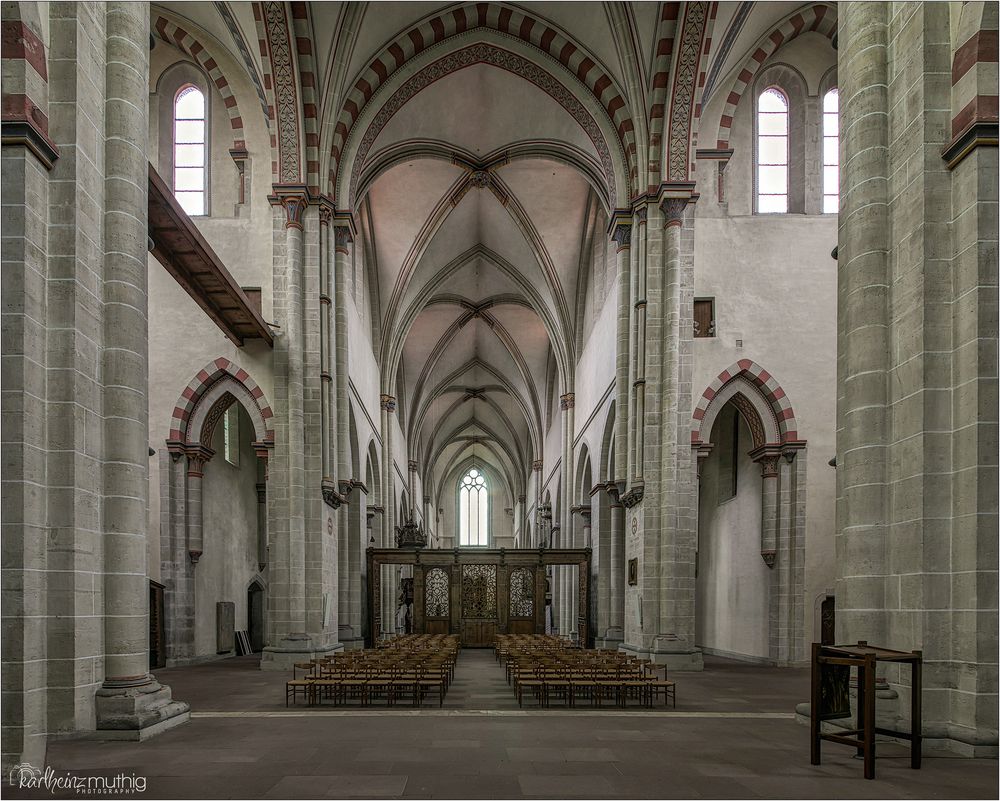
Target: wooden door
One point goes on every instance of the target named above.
(521, 601)
(437, 601)
(479, 605)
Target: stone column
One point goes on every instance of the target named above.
(567, 404)
(130, 700)
(616, 629)
(196, 460)
(411, 486)
(387, 404)
(637, 411)
(768, 461)
(539, 532)
(668, 506)
(621, 233)
(328, 448)
(862, 320)
(344, 240)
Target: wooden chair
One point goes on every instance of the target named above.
(297, 687)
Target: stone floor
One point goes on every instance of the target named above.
(733, 736)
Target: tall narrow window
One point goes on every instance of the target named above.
(189, 149)
(831, 153)
(473, 507)
(772, 152)
(231, 434)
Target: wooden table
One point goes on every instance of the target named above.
(831, 670)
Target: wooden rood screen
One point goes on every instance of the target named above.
(477, 592)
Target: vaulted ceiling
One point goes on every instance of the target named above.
(480, 147)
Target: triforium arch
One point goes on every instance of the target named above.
(201, 405)
(767, 411)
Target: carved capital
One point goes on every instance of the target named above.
(768, 557)
(295, 208)
(194, 556)
(567, 401)
(411, 466)
(387, 403)
(198, 456)
(673, 210)
(537, 465)
(325, 215)
(768, 461)
(342, 238)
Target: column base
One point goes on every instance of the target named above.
(297, 648)
(668, 650)
(138, 713)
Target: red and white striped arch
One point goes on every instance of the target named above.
(184, 40)
(821, 18)
(500, 18)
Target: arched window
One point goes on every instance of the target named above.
(831, 153)
(473, 508)
(772, 152)
(189, 149)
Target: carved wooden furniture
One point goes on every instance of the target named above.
(477, 593)
(831, 672)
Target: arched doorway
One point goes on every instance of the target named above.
(750, 561)
(256, 612)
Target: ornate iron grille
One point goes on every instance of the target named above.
(522, 592)
(436, 599)
(479, 591)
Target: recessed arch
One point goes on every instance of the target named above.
(821, 17)
(213, 389)
(758, 387)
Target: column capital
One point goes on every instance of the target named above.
(567, 401)
(198, 456)
(673, 198)
(387, 403)
(411, 466)
(293, 198)
(343, 237)
(620, 228)
(537, 465)
(767, 457)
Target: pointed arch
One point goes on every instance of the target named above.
(184, 40)
(821, 18)
(759, 397)
(213, 390)
(505, 25)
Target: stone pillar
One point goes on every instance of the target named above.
(539, 527)
(328, 449)
(567, 404)
(344, 239)
(411, 487)
(616, 629)
(130, 701)
(637, 410)
(862, 321)
(621, 233)
(387, 404)
(196, 461)
(669, 574)
(768, 461)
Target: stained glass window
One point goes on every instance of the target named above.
(473, 509)
(189, 149)
(772, 152)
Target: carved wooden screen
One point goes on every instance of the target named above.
(522, 592)
(479, 591)
(437, 601)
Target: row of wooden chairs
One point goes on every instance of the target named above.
(409, 668)
(549, 671)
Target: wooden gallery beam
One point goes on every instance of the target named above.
(180, 247)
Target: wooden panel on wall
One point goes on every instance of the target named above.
(478, 633)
